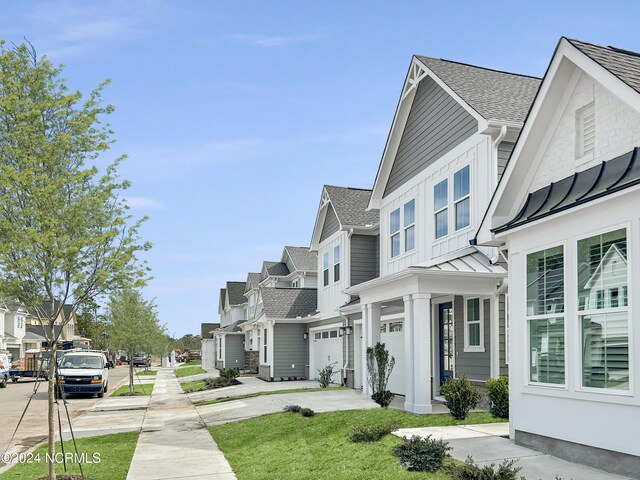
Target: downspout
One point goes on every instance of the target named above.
(346, 348)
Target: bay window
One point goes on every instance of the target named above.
(602, 311)
(545, 316)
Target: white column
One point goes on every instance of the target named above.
(422, 353)
(494, 338)
(408, 352)
(366, 390)
(374, 321)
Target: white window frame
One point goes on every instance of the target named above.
(325, 270)
(406, 226)
(461, 199)
(467, 347)
(265, 344)
(527, 353)
(580, 388)
(440, 210)
(336, 263)
(395, 233)
(294, 284)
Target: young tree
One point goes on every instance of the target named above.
(379, 367)
(134, 326)
(65, 235)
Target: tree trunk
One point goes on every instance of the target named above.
(52, 387)
(131, 373)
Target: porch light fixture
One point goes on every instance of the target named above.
(305, 335)
(348, 330)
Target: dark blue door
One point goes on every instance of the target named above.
(446, 341)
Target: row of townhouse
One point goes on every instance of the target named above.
(498, 238)
(21, 330)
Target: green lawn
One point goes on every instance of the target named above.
(188, 371)
(113, 457)
(149, 372)
(259, 394)
(193, 386)
(191, 363)
(138, 388)
(288, 445)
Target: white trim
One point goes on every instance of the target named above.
(467, 347)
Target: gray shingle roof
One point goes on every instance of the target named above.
(303, 258)
(253, 279)
(495, 95)
(223, 296)
(289, 302)
(235, 290)
(350, 205)
(232, 327)
(277, 269)
(624, 64)
(206, 328)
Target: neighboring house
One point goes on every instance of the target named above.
(438, 303)
(208, 345)
(3, 335)
(285, 298)
(567, 210)
(346, 239)
(15, 329)
(37, 325)
(229, 338)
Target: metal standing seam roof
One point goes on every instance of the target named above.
(469, 260)
(350, 205)
(582, 187)
(303, 259)
(494, 94)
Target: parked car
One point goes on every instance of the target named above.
(5, 365)
(83, 371)
(141, 360)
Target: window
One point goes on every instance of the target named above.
(603, 315)
(473, 325)
(545, 316)
(265, 345)
(461, 197)
(20, 321)
(409, 225)
(395, 327)
(333, 334)
(383, 328)
(317, 336)
(585, 130)
(219, 348)
(440, 202)
(336, 263)
(394, 231)
(325, 334)
(294, 284)
(325, 268)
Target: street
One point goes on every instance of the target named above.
(33, 428)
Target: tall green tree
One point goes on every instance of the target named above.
(134, 327)
(65, 234)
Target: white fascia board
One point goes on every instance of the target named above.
(320, 217)
(399, 122)
(350, 309)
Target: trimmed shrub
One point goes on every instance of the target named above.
(292, 408)
(383, 399)
(470, 471)
(422, 454)
(229, 374)
(324, 375)
(379, 367)
(498, 393)
(307, 412)
(461, 396)
(370, 433)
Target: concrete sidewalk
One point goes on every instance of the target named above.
(488, 444)
(174, 442)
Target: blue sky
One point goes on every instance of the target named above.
(234, 114)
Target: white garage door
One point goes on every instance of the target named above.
(392, 336)
(326, 348)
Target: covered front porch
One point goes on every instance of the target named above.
(438, 321)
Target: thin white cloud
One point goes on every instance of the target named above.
(141, 203)
(273, 41)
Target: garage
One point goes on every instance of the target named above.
(326, 348)
(392, 335)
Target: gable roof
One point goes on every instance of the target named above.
(253, 279)
(613, 251)
(274, 269)
(616, 69)
(494, 94)
(494, 98)
(624, 64)
(223, 299)
(206, 328)
(232, 327)
(235, 293)
(289, 302)
(302, 258)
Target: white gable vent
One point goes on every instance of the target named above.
(585, 130)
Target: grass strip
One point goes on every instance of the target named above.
(288, 445)
(188, 371)
(138, 389)
(106, 457)
(259, 394)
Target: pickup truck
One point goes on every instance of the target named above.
(83, 371)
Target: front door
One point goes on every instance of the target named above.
(446, 342)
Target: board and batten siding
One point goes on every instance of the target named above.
(365, 264)
(290, 350)
(436, 124)
(234, 351)
(504, 368)
(475, 365)
(331, 224)
(504, 152)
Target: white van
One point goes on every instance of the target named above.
(83, 371)
(5, 365)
